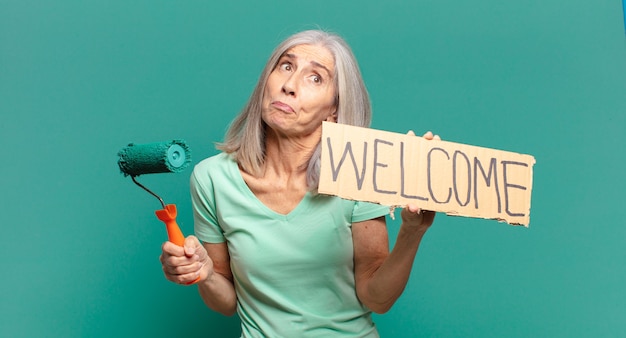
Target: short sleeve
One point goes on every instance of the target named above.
(206, 226)
(364, 211)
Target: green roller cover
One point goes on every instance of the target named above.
(150, 158)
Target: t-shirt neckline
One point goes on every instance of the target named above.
(243, 186)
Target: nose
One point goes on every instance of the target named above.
(289, 86)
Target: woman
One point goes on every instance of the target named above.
(290, 262)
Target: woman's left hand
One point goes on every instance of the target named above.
(428, 136)
(412, 215)
(418, 219)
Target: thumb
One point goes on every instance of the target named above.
(191, 245)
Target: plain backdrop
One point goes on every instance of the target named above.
(81, 79)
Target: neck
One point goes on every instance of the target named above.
(287, 155)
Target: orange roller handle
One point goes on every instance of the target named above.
(174, 234)
(168, 216)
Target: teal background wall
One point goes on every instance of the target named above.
(80, 79)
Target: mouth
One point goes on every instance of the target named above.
(282, 106)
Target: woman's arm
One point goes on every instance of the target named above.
(381, 276)
(217, 290)
(211, 263)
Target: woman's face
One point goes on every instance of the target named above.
(300, 92)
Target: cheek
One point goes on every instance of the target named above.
(323, 98)
(268, 93)
(327, 102)
(270, 85)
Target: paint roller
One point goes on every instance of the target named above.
(151, 158)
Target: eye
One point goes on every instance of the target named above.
(316, 79)
(286, 66)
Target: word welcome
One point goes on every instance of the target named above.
(396, 169)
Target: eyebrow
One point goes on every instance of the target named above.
(314, 63)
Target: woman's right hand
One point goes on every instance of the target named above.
(185, 265)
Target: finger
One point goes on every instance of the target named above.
(172, 249)
(182, 278)
(191, 246)
(428, 135)
(202, 254)
(436, 137)
(413, 208)
(174, 255)
(411, 133)
(411, 214)
(181, 270)
(181, 265)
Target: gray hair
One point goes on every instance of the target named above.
(245, 139)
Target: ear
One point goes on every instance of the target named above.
(332, 117)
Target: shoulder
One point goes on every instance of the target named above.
(214, 168)
(221, 159)
(221, 162)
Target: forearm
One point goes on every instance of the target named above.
(387, 283)
(218, 293)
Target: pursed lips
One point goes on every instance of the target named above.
(282, 106)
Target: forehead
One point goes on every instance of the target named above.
(313, 54)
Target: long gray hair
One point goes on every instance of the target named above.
(245, 139)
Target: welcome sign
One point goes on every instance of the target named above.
(396, 169)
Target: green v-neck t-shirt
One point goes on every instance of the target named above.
(293, 273)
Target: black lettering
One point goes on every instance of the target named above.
(487, 177)
(348, 149)
(469, 178)
(382, 165)
(430, 187)
(507, 185)
(402, 193)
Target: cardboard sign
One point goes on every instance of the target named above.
(396, 169)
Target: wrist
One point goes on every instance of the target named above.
(412, 230)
